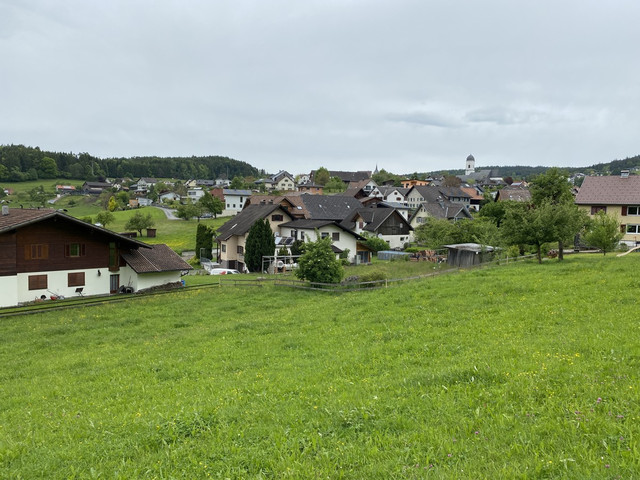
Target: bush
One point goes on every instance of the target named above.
(318, 263)
(372, 276)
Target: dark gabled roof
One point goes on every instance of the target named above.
(334, 207)
(433, 194)
(373, 218)
(228, 191)
(158, 258)
(609, 191)
(242, 222)
(445, 210)
(22, 217)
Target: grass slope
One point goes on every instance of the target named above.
(522, 371)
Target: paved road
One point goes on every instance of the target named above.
(171, 214)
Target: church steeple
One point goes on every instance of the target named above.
(470, 166)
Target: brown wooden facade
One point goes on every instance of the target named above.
(56, 244)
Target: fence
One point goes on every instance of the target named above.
(351, 286)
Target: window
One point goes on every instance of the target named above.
(224, 247)
(632, 210)
(301, 235)
(36, 252)
(598, 208)
(335, 236)
(276, 218)
(324, 235)
(240, 249)
(37, 282)
(114, 257)
(633, 228)
(74, 250)
(75, 279)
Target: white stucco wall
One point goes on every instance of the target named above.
(8, 291)
(57, 282)
(129, 278)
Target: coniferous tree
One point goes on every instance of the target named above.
(260, 242)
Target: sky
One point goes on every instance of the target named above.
(404, 85)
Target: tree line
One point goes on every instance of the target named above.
(20, 163)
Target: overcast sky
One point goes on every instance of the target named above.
(407, 85)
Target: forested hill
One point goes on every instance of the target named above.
(527, 172)
(20, 163)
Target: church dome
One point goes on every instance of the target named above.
(470, 158)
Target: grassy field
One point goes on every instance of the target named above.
(522, 371)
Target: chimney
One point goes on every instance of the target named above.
(5, 210)
(624, 174)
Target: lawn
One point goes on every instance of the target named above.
(519, 371)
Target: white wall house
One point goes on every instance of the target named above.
(46, 253)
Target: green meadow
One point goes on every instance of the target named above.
(517, 371)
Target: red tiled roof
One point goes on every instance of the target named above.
(609, 191)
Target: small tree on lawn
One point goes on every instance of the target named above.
(319, 264)
(604, 232)
(139, 222)
(211, 204)
(260, 242)
(104, 218)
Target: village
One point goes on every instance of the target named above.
(89, 259)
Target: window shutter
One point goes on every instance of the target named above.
(624, 210)
(66, 250)
(623, 229)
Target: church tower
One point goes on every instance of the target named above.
(471, 165)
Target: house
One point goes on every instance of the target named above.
(311, 188)
(46, 253)
(234, 200)
(414, 182)
(385, 223)
(367, 185)
(232, 236)
(476, 196)
(441, 210)
(390, 193)
(65, 189)
(167, 197)
(144, 202)
(95, 188)
(342, 238)
(194, 194)
(144, 184)
(618, 196)
(513, 194)
(436, 194)
(282, 181)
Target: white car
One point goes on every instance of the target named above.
(223, 271)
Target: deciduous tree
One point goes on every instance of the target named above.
(139, 221)
(604, 232)
(319, 264)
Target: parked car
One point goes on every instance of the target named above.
(223, 271)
